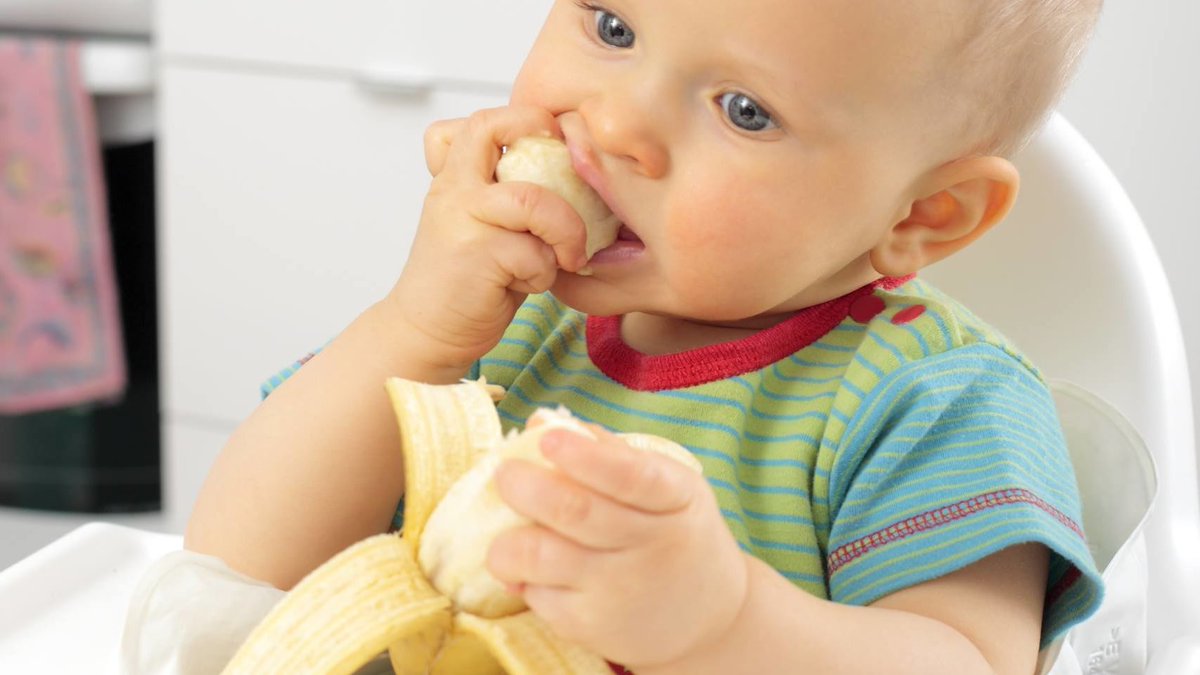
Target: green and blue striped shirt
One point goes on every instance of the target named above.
(869, 444)
(882, 455)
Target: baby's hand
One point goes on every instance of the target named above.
(482, 246)
(630, 556)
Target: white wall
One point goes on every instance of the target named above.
(1137, 99)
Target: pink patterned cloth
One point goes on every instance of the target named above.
(60, 329)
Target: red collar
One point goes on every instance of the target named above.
(643, 372)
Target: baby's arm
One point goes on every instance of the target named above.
(318, 466)
(983, 619)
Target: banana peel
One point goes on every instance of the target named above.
(376, 595)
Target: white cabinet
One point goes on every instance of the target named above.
(290, 188)
(290, 205)
(464, 40)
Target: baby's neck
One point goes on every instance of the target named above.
(656, 335)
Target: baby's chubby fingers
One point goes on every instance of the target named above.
(525, 207)
(538, 556)
(640, 479)
(439, 136)
(564, 506)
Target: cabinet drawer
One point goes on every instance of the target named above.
(288, 207)
(464, 40)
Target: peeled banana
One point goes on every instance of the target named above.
(454, 563)
(425, 596)
(547, 162)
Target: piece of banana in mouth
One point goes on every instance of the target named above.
(547, 162)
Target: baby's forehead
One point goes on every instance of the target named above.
(842, 53)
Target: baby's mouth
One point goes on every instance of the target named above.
(627, 247)
(585, 165)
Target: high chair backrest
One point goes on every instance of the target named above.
(1072, 277)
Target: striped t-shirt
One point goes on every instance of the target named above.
(865, 445)
(868, 444)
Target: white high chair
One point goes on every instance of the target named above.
(1072, 278)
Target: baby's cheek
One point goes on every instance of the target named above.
(730, 227)
(715, 245)
(552, 76)
(708, 222)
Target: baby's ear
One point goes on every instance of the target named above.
(964, 199)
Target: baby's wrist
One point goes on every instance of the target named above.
(417, 354)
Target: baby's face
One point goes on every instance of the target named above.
(755, 150)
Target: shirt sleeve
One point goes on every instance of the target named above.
(948, 460)
(272, 383)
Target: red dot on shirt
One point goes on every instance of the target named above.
(866, 308)
(908, 314)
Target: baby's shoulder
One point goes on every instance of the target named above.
(919, 321)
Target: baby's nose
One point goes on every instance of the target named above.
(625, 132)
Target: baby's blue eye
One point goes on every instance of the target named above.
(744, 112)
(612, 30)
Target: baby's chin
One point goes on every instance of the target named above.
(594, 297)
(585, 294)
(590, 295)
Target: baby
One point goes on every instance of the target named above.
(885, 488)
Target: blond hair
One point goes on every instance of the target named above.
(1012, 66)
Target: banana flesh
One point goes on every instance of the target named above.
(454, 561)
(424, 595)
(444, 430)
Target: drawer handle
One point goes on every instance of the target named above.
(395, 80)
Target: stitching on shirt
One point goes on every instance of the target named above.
(847, 553)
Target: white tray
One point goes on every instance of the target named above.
(62, 609)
